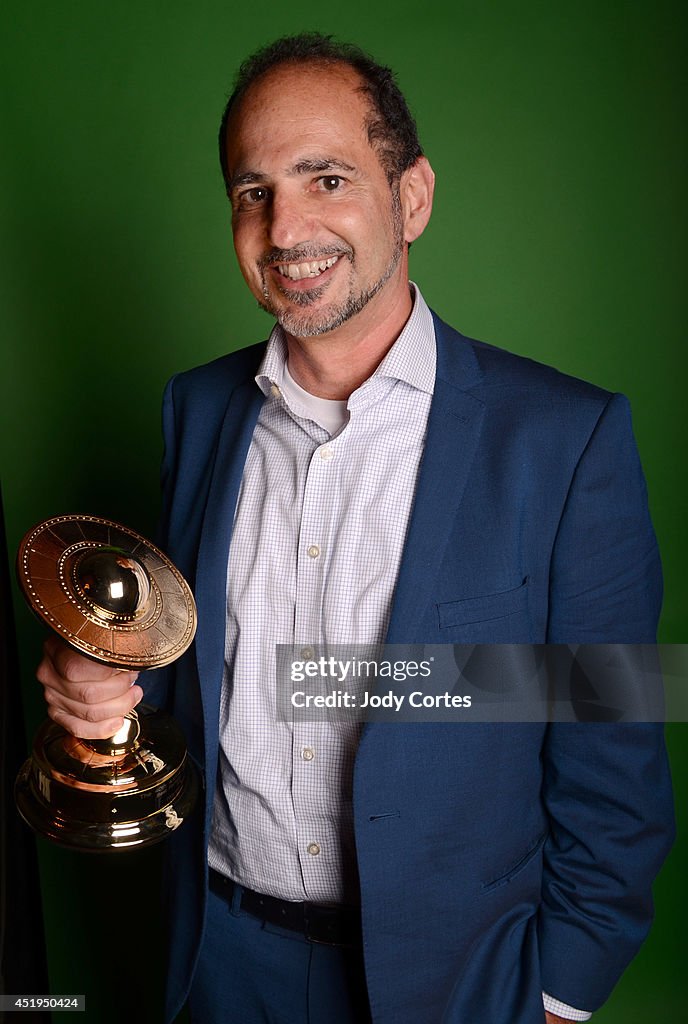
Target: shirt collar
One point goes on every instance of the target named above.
(412, 358)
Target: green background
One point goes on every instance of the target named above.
(557, 134)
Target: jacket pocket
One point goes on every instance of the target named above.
(518, 867)
(483, 608)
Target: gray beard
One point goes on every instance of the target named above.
(301, 325)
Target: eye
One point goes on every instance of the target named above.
(256, 195)
(252, 196)
(331, 182)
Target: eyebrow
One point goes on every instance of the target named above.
(326, 163)
(305, 166)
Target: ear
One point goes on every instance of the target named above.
(416, 190)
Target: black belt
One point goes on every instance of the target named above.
(331, 926)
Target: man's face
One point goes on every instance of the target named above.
(318, 231)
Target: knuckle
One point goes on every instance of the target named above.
(71, 666)
(88, 694)
(105, 729)
(56, 714)
(51, 698)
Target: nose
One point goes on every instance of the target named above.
(290, 222)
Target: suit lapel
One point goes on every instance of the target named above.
(454, 427)
(211, 580)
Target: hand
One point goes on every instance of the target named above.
(86, 698)
(552, 1018)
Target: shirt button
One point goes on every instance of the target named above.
(326, 454)
(313, 551)
(275, 391)
(307, 653)
(308, 753)
(313, 849)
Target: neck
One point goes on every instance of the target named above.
(333, 365)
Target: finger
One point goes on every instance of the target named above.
(95, 711)
(86, 687)
(85, 730)
(90, 722)
(88, 692)
(71, 665)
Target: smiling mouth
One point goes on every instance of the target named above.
(302, 271)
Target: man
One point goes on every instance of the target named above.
(372, 475)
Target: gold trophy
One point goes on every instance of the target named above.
(114, 597)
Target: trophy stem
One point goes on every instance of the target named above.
(123, 740)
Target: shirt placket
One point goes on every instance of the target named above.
(318, 844)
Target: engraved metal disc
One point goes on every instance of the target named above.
(107, 591)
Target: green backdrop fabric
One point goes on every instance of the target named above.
(557, 134)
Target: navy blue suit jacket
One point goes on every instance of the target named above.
(495, 860)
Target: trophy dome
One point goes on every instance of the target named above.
(112, 582)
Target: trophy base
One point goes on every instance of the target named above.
(85, 797)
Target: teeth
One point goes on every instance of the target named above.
(300, 271)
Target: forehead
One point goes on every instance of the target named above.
(300, 107)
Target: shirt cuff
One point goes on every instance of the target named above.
(563, 1009)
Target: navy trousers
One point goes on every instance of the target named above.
(251, 972)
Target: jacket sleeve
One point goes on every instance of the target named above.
(606, 786)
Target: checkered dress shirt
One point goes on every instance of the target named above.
(318, 535)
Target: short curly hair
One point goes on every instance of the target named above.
(390, 125)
